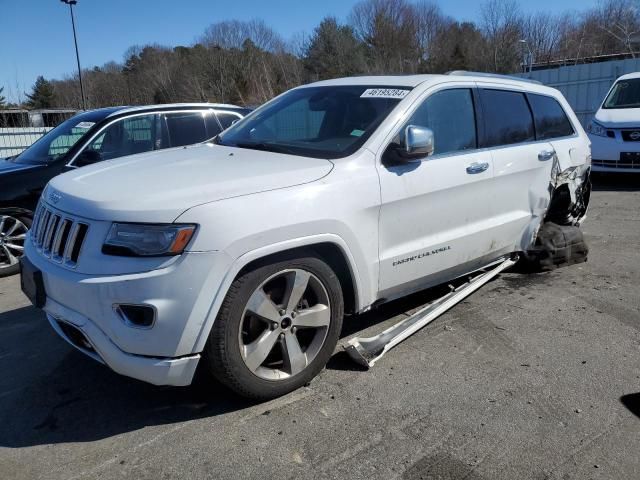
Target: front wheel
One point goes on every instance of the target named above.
(13, 233)
(277, 328)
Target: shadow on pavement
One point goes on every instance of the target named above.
(50, 393)
(632, 402)
(615, 182)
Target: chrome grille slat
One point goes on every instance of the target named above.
(55, 248)
(48, 236)
(42, 229)
(73, 235)
(55, 235)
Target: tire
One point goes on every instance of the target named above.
(556, 246)
(260, 314)
(13, 230)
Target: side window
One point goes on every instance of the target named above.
(226, 119)
(507, 117)
(185, 128)
(551, 119)
(451, 116)
(125, 137)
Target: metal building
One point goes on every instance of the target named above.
(584, 85)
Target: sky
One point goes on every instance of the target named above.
(36, 36)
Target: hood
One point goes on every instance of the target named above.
(159, 186)
(618, 117)
(8, 166)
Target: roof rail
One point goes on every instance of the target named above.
(465, 73)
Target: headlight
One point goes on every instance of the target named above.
(142, 240)
(594, 128)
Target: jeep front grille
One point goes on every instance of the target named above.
(58, 236)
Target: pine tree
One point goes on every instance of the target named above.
(42, 94)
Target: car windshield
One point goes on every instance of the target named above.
(625, 94)
(320, 122)
(58, 141)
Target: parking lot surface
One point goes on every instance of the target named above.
(535, 376)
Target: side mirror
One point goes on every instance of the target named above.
(416, 142)
(88, 157)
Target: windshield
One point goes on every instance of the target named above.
(320, 122)
(625, 94)
(58, 141)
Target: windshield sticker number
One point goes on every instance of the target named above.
(384, 93)
(85, 125)
(357, 133)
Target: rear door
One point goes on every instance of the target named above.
(522, 167)
(434, 212)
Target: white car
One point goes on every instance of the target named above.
(615, 128)
(242, 256)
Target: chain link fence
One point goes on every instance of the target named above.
(21, 128)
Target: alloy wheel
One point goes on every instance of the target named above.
(284, 324)
(13, 233)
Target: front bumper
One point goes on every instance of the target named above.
(606, 151)
(92, 341)
(180, 293)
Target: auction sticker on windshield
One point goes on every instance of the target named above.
(85, 125)
(384, 93)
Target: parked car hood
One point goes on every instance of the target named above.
(8, 166)
(618, 117)
(159, 186)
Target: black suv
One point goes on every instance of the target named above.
(91, 137)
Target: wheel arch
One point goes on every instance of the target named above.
(330, 248)
(16, 211)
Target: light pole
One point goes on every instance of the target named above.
(525, 44)
(71, 3)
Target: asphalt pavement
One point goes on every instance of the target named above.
(535, 376)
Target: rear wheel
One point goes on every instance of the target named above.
(13, 233)
(277, 328)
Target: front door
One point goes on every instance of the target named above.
(434, 212)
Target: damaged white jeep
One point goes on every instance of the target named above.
(241, 256)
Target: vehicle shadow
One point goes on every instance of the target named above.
(632, 402)
(50, 393)
(615, 182)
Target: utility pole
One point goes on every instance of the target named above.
(71, 3)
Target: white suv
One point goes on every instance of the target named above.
(242, 255)
(615, 128)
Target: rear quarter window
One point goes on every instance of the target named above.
(507, 118)
(550, 118)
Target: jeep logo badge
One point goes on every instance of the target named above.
(55, 197)
(634, 135)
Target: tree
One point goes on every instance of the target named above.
(42, 94)
(388, 28)
(502, 25)
(333, 51)
(3, 100)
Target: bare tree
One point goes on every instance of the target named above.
(388, 30)
(620, 19)
(502, 24)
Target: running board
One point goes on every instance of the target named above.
(367, 351)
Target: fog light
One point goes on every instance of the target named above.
(138, 316)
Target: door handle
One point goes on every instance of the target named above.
(545, 155)
(476, 167)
